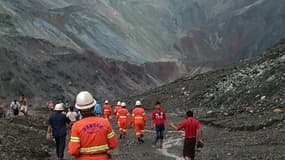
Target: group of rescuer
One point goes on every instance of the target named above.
(92, 135)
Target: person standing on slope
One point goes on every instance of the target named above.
(15, 107)
(193, 131)
(139, 121)
(91, 137)
(24, 105)
(107, 110)
(123, 119)
(158, 116)
(57, 127)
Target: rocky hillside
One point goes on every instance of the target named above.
(46, 45)
(44, 72)
(242, 107)
(193, 32)
(248, 92)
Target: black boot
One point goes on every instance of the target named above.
(141, 138)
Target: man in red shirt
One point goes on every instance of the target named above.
(193, 131)
(158, 119)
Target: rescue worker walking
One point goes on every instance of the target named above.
(91, 137)
(139, 121)
(158, 116)
(107, 110)
(57, 127)
(193, 131)
(123, 119)
(117, 107)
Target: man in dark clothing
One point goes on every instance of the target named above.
(57, 126)
(193, 131)
(158, 116)
(15, 106)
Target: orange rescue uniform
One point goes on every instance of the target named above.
(107, 110)
(139, 121)
(123, 119)
(91, 138)
(117, 108)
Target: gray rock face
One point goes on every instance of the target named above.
(194, 32)
(241, 107)
(44, 72)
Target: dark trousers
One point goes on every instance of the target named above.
(159, 131)
(189, 148)
(60, 145)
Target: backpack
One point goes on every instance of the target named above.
(98, 109)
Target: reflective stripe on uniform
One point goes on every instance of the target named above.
(111, 135)
(138, 117)
(106, 110)
(94, 149)
(123, 117)
(74, 139)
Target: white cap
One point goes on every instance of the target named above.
(118, 103)
(138, 103)
(59, 107)
(106, 101)
(123, 104)
(84, 100)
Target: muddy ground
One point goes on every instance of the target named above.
(24, 139)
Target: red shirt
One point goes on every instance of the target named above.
(158, 116)
(190, 126)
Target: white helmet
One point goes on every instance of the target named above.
(84, 100)
(106, 101)
(138, 103)
(118, 103)
(123, 104)
(59, 107)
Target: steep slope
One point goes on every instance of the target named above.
(50, 72)
(241, 107)
(253, 88)
(207, 32)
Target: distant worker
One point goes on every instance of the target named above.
(158, 116)
(193, 131)
(24, 105)
(2, 110)
(123, 119)
(107, 110)
(50, 105)
(57, 127)
(15, 107)
(139, 121)
(91, 137)
(98, 109)
(72, 116)
(117, 107)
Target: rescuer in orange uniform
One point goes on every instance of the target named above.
(139, 121)
(107, 110)
(91, 137)
(123, 119)
(117, 107)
